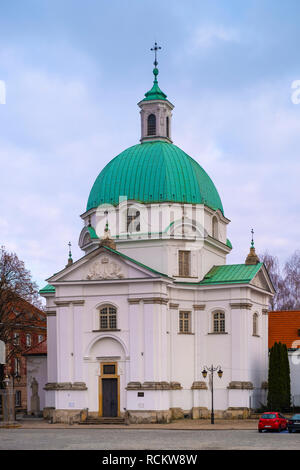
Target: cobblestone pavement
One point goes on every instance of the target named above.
(76, 438)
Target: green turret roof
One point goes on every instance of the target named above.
(48, 289)
(154, 172)
(155, 93)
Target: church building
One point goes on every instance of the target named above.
(152, 304)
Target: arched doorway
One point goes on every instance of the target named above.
(110, 355)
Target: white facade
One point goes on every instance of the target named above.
(157, 367)
(294, 361)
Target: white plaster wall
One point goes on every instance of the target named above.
(152, 400)
(294, 361)
(71, 399)
(52, 349)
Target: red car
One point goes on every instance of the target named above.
(272, 421)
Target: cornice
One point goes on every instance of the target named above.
(173, 306)
(241, 305)
(199, 306)
(155, 300)
(51, 313)
(65, 386)
(66, 303)
(134, 301)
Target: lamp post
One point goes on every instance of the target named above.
(15, 377)
(212, 369)
(8, 404)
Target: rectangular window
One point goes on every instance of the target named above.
(109, 369)
(184, 322)
(18, 398)
(184, 262)
(28, 340)
(16, 339)
(17, 367)
(133, 220)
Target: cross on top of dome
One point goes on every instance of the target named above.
(155, 48)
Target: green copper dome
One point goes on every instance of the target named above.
(154, 172)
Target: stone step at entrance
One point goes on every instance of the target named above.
(103, 420)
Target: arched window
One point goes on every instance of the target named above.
(215, 228)
(108, 317)
(133, 220)
(219, 322)
(167, 126)
(28, 339)
(151, 124)
(255, 324)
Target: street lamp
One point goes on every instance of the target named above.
(212, 369)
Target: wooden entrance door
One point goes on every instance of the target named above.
(110, 397)
(109, 390)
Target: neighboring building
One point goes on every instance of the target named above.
(36, 366)
(26, 333)
(133, 322)
(284, 327)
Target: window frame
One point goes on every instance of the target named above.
(182, 321)
(16, 340)
(111, 317)
(18, 398)
(131, 218)
(184, 261)
(17, 367)
(219, 324)
(151, 126)
(255, 329)
(215, 228)
(28, 340)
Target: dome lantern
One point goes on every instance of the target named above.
(156, 111)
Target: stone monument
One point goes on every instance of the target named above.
(35, 399)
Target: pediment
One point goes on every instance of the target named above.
(262, 281)
(102, 265)
(105, 268)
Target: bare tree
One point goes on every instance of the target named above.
(286, 284)
(19, 302)
(292, 282)
(272, 264)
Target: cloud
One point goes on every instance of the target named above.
(207, 36)
(50, 140)
(60, 126)
(248, 141)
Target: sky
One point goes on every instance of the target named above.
(73, 73)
